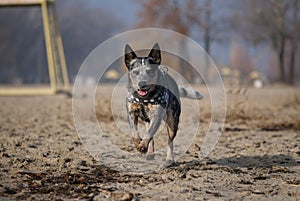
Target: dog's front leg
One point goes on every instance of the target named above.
(156, 114)
(150, 150)
(135, 133)
(133, 123)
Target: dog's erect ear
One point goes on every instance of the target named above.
(129, 55)
(155, 53)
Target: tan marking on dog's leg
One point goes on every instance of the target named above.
(172, 130)
(133, 120)
(143, 145)
(136, 137)
(170, 155)
(150, 149)
(150, 152)
(136, 141)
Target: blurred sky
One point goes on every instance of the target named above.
(124, 10)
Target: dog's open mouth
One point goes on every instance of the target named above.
(143, 91)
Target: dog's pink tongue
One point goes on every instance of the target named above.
(142, 93)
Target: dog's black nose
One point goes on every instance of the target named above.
(142, 84)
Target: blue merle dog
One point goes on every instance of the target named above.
(153, 96)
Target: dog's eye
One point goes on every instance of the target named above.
(151, 72)
(136, 72)
(151, 61)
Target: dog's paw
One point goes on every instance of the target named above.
(142, 147)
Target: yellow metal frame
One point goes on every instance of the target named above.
(58, 75)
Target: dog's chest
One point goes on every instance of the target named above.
(144, 112)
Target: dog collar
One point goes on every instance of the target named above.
(161, 98)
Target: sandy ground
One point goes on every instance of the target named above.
(257, 157)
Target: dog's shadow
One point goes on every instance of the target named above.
(258, 161)
(241, 161)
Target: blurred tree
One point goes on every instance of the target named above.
(163, 14)
(240, 60)
(294, 37)
(170, 15)
(274, 21)
(183, 17)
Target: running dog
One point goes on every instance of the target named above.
(153, 96)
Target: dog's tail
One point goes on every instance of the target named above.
(189, 93)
